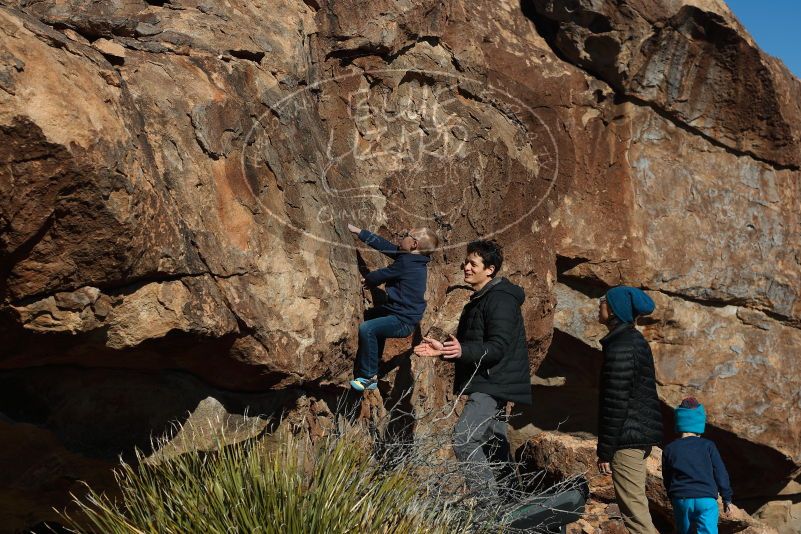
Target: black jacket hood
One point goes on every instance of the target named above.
(502, 284)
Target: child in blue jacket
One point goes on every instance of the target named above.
(405, 284)
(694, 474)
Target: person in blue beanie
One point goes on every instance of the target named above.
(694, 474)
(630, 417)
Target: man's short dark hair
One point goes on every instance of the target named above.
(490, 251)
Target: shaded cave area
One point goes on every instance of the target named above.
(79, 408)
(565, 394)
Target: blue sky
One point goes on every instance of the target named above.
(776, 27)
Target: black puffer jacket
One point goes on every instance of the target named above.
(494, 351)
(629, 415)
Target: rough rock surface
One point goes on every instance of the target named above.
(177, 177)
(785, 515)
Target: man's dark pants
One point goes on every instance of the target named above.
(482, 424)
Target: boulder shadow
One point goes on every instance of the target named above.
(565, 393)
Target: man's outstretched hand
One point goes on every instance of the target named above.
(429, 347)
(353, 229)
(452, 349)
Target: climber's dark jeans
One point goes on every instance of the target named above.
(372, 334)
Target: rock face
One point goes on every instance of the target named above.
(691, 61)
(178, 177)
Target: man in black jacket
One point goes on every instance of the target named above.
(629, 420)
(491, 358)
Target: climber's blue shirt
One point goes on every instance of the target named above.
(404, 280)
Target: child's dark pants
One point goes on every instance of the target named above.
(372, 334)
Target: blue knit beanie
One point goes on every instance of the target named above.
(690, 416)
(628, 302)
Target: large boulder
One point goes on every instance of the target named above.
(691, 61)
(178, 177)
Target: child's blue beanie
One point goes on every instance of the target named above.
(628, 302)
(690, 417)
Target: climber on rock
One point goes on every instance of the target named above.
(405, 284)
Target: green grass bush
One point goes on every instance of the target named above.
(286, 486)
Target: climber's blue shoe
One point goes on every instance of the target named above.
(360, 384)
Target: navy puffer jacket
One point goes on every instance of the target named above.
(629, 410)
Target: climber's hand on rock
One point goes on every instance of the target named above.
(354, 229)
